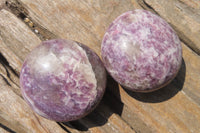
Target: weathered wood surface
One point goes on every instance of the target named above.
(3, 130)
(25, 23)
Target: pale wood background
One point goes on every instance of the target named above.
(25, 23)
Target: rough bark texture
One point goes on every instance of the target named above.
(24, 24)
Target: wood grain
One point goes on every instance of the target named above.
(174, 108)
(65, 18)
(3, 130)
(115, 120)
(16, 39)
(191, 85)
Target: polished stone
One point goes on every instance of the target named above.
(141, 51)
(62, 80)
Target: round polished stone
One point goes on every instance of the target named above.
(62, 80)
(141, 51)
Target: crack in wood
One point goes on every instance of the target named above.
(6, 128)
(146, 6)
(6, 66)
(5, 80)
(7, 73)
(5, 63)
(63, 127)
(16, 8)
(21, 12)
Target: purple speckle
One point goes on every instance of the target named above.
(62, 80)
(141, 51)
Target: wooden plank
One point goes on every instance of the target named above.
(184, 16)
(16, 39)
(3, 130)
(130, 117)
(84, 22)
(191, 86)
(171, 109)
(106, 120)
(2, 2)
(115, 119)
(135, 121)
(92, 124)
(95, 122)
(71, 128)
(175, 115)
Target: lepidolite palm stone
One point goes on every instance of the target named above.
(141, 51)
(62, 80)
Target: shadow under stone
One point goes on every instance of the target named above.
(100, 115)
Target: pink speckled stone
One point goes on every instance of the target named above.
(62, 80)
(141, 51)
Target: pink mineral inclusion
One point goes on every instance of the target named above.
(141, 51)
(62, 80)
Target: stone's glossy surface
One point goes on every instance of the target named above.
(141, 51)
(62, 80)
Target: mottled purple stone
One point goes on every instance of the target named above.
(141, 51)
(62, 80)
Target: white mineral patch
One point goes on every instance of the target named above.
(48, 64)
